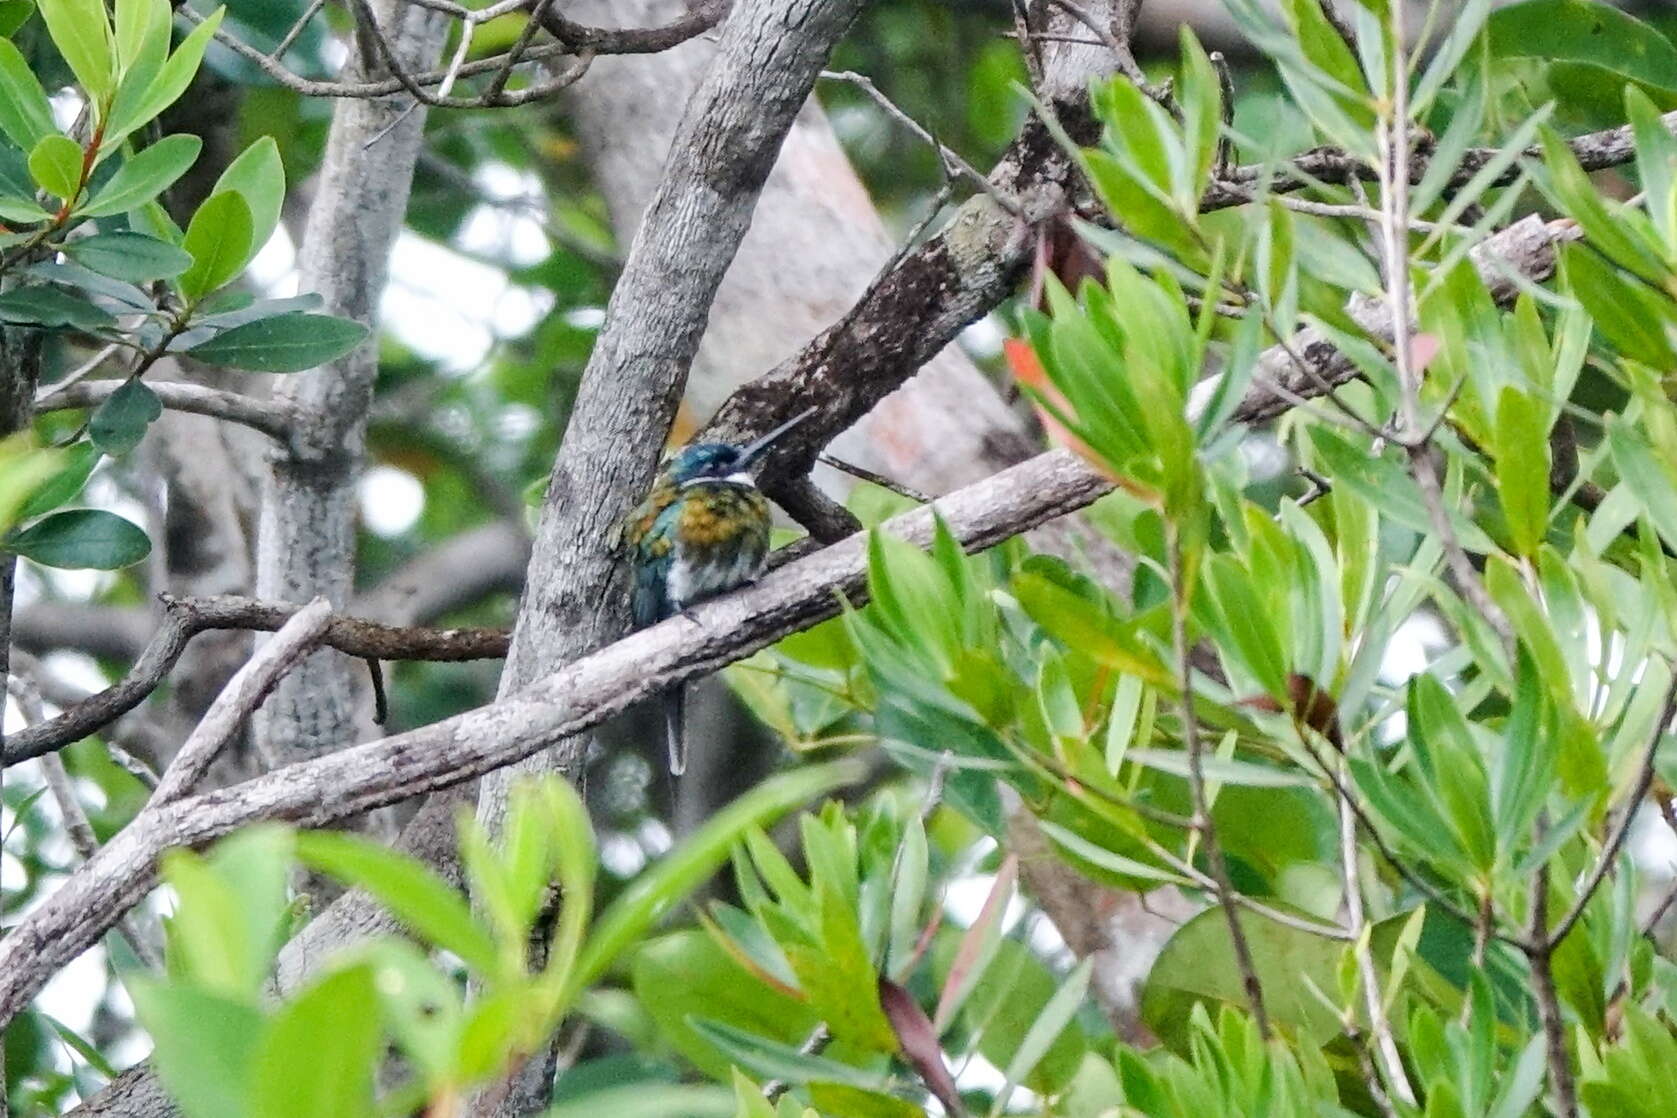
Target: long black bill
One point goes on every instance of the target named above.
(753, 450)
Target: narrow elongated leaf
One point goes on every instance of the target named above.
(1522, 468)
(82, 32)
(985, 930)
(25, 113)
(73, 471)
(134, 257)
(177, 73)
(412, 892)
(1047, 1027)
(218, 238)
(639, 906)
(287, 343)
(318, 1055)
(46, 305)
(118, 424)
(13, 15)
(143, 177)
(919, 1042)
(1652, 480)
(81, 539)
(774, 1060)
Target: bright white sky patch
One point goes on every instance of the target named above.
(391, 500)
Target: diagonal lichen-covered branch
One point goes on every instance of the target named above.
(561, 704)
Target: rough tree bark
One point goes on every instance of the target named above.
(815, 243)
(306, 539)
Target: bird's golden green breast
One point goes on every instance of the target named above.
(715, 515)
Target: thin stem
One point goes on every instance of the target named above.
(1548, 1000)
(1378, 1023)
(1621, 830)
(1203, 824)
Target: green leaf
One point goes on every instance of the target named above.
(1198, 964)
(25, 113)
(413, 893)
(286, 343)
(22, 211)
(142, 32)
(118, 424)
(82, 1046)
(219, 239)
(1656, 163)
(81, 539)
(1648, 476)
(82, 32)
(1584, 31)
(46, 305)
(686, 974)
(1046, 1028)
(177, 73)
(136, 23)
(145, 175)
(72, 474)
(1221, 770)
(1522, 467)
(1012, 993)
(650, 1100)
(1637, 321)
(258, 176)
(56, 164)
(134, 257)
(204, 1045)
(775, 1060)
(689, 865)
(1389, 488)
(320, 1051)
(211, 941)
(13, 15)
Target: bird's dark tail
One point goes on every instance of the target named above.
(675, 702)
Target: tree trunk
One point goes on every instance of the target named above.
(306, 539)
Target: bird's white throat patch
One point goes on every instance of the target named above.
(742, 479)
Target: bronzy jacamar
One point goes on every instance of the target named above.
(702, 530)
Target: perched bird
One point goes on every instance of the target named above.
(702, 530)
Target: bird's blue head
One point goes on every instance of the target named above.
(723, 461)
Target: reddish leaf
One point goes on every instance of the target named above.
(920, 1044)
(958, 981)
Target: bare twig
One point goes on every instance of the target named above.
(1621, 830)
(272, 418)
(1119, 46)
(1381, 1028)
(1203, 824)
(1561, 1080)
(76, 825)
(185, 618)
(277, 55)
(873, 478)
(950, 158)
(242, 695)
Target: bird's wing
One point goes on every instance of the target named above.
(654, 546)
